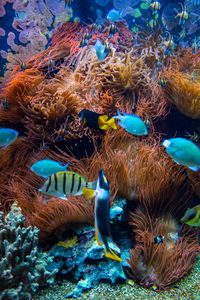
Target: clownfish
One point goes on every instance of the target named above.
(96, 121)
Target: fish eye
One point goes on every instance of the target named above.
(192, 216)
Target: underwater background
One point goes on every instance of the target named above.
(99, 149)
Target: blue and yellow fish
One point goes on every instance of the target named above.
(66, 183)
(192, 216)
(96, 121)
(102, 213)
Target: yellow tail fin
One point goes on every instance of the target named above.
(102, 122)
(111, 254)
(111, 123)
(88, 193)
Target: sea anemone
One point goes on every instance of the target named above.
(161, 264)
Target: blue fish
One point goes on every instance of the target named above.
(132, 123)
(101, 52)
(47, 167)
(7, 137)
(114, 15)
(183, 152)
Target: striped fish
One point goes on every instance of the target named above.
(64, 183)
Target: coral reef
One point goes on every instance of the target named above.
(44, 95)
(35, 22)
(23, 268)
(85, 259)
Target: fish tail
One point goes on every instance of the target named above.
(88, 193)
(111, 123)
(67, 165)
(111, 254)
(92, 185)
(102, 122)
(118, 115)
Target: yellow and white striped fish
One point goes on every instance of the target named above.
(64, 183)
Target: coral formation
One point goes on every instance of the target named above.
(44, 95)
(23, 268)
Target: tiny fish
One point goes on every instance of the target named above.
(112, 30)
(192, 216)
(132, 123)
(155, 7)
(96, 121)
(102, 214)
(64, 183)
(47, 167)
(183, 152)
(158, 239)
(7, 137)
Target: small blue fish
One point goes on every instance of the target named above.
(101, 52)
(132, 123)
(183, 152)
(7, 137)
(114, 15)
(47, 167)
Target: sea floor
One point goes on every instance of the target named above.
(187, 288)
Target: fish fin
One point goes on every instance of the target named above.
(5, 146)
(65, 166)
(57, 194)
(111, 123)
(111, 254)
(194, 168)
(84, 121)
(92, 185)
(102, 122)
(88, 193)
(97, 236)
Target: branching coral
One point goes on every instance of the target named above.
(161, 264)
(35, 21)
(22, 268)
